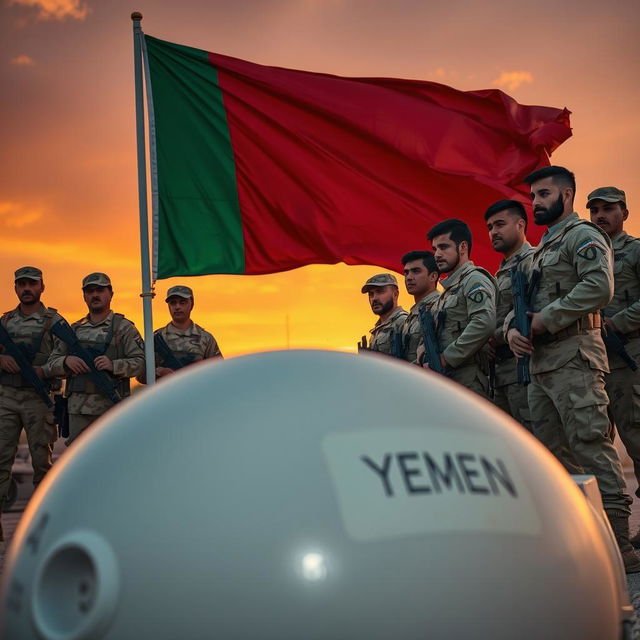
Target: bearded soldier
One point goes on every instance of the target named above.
(115, 354)
(465, 313)
(386, 335)
(567, 396)
(24, 403)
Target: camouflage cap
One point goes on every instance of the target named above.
(96, 280)
(379, 280)
(33, 273)
(608, 194)
(179, 290)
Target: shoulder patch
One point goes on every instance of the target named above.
(589, 249)
(478, 292)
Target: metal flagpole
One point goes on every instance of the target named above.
(147, 290)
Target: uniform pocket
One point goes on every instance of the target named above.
(589, 415)
(49, 431)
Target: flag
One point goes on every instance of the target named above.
(260, 169)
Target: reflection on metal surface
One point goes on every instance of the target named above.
(314, 567)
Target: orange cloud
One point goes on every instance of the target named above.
(511, 80)
(23, 60)
(55, 9)
(16, 215)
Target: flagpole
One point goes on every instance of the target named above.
(147, 290)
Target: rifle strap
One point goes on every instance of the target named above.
(49, 314)
(112, 334)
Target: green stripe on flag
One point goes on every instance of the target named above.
(199, 226)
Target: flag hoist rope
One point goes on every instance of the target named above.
(147, 289)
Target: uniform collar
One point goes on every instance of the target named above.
(455, 277)
(41, 310)
(399, 310)
(620, 239)
(432, 295)
(516, 257)
(556, 228)
(106, 320)
(173, 329)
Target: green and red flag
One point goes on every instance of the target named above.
(260, 169)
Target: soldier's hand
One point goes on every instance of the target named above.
(520, 345)
(537, 327)
(76, 365)
(443, 363)
(163, 371)
(103, 363)
(39, 372)
(7, 363)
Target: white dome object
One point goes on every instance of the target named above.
(308, 494)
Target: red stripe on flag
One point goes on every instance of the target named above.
(357, 170)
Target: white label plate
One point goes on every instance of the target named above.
(401, 482)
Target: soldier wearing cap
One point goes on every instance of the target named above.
(421, 280)
(567, 397)
(383, 292)
(465, 314)
(116, 345)
(187, 341)
(608, 209)
(21, 406)
(507, 224)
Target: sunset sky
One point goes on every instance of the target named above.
(68, 192)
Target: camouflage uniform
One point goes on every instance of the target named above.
(510, 396)
(122, 345)
(383, 333)
(468, 321)
(411, 330)
(20, 405)
(567, 397)
(622, 384)
(188, 345)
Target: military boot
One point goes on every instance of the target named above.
(620, 525)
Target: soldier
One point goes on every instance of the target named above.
(21, 405)
(186, 341)
(116, 346)
(421, 280)
(608, 209)
(567, 397)
(383, 292)
(465, 313)
(507, 224)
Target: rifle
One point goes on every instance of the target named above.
(26, 368)
(397, 345)
(615, 342)
(168, 357)
(362, 345)
(430, 339)
(61, 415)
(104, 383)
(522, 297)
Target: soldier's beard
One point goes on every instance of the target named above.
(385, 308)
(448, 268)
(544, 215)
